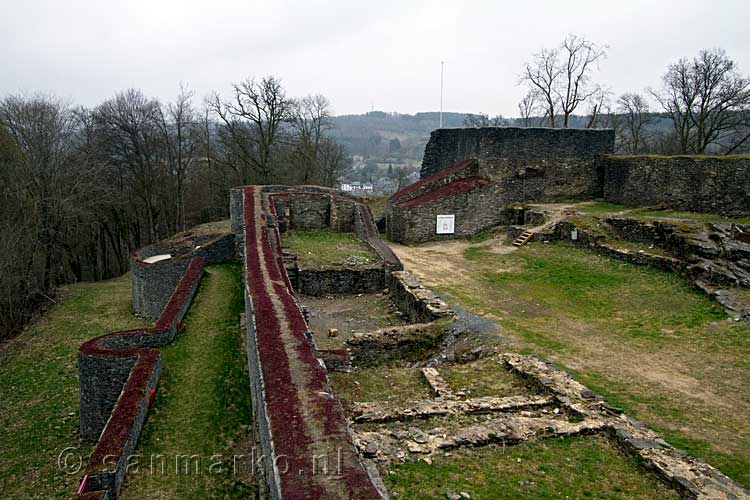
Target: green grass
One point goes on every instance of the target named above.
(485, 234)
(578, 467)
(484, 377)
(690, 157)
(476, 252)
(376, 204)
(635, 402)
(202, 407)
(603, 208)
(658, 214)
(600, 208)
(39, 389)
(324, 249)
(642, 337)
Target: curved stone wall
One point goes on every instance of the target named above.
(153, 283)
(118, 372)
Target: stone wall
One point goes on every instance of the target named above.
(698, 184)
(449, 146)
(314, 207)
(117, 376)
(153, 283)
(298, 423)
(321, 282)
(417, 303)
(475, 174)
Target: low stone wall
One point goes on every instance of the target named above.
(698, 184)
(419, 304)
(153, 283)
(117, 376)
(321, 282)
(690, 476)
(407, 343)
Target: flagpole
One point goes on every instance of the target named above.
(441, 94)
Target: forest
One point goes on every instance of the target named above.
(81, 188)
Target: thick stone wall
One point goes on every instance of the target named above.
(298, 422)
(475, 174)
(697, 184)
(447, 147)
(153, 283)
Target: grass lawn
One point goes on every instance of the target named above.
(579, 467)
(651, 215)
(641, 337)
(376, 204)
(603, 208)
(39, 388)
(316, 248)
(202, 407)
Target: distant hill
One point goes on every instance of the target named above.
(400, 138)
(391, 136)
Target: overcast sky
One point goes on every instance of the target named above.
(380, 53)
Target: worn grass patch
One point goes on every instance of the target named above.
(380, 384)
(649, 214)
(216, 227)
(316, 248)
(578, 467)
(668, 354)
(484, 377)
(600, 208)
(39, 389)
(348, 314)
(202, 408)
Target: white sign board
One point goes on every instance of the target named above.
(445, 224)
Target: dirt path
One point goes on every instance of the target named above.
(443, 263)
(693, 388)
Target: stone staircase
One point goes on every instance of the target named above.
(523, 238)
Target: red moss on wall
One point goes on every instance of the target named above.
(439, 175)
(305, 419)
(135, 393)
(454, 188)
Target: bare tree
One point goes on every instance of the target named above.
(484, 120)
(179, 126)
(254, 117)
(579, 56)
(310, 118)
(333, 161)
(131, 142)
(561, 77)
(634, 111)
(528, 106)
(542, 75)
(708, 101)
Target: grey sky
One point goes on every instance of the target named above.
(382, 53)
